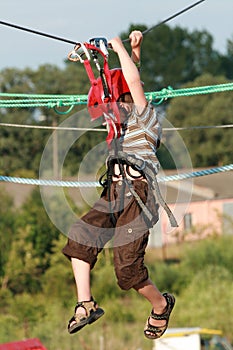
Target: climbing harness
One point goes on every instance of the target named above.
(104, 91)
(123, 158)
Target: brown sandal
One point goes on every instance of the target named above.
(92, 313)
(154, 332)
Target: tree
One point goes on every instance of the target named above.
(58, 276)
(207, 147)
(226, 60)
(41, 233)
(20, 147)
(21, 273)
(172, 57)
(8, 216)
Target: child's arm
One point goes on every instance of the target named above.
(131, 73)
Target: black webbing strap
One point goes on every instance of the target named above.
(150, 175)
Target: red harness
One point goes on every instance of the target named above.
(108, 106)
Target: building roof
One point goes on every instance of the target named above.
(207, 187)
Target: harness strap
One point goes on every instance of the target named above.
(161, 200)
(110, 109)
(110, 173)
(140, 202)
(152, 180)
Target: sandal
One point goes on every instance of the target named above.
(92, 313)
(154, 332)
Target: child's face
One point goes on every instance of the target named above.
(125, 104)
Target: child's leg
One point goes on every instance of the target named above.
(86, 240)
(86, 310)
(162, 305)
(149, 291)
(81, 270)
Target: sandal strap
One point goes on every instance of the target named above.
(166, 314)
(154, 329)
(89, 307)
(154, 332)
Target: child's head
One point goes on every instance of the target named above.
(119, 93)
(125, 105)
(125, 98)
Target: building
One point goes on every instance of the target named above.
(202, 206)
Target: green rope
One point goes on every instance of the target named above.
(56, 101)
(171, 93)
(46, 96)
(49, 101)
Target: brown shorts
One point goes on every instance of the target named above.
(128, 235)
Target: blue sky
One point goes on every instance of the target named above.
(82, 20)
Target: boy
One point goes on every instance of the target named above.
(127, 207)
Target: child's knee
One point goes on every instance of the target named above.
(128, 277)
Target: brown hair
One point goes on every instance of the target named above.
(126, 98)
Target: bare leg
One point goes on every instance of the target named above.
(87, 311)
(81, 270)
(148, 290)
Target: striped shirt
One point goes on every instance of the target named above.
(141, 136)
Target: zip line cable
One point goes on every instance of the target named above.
(169, 18)
(38, 33)
(54, 37)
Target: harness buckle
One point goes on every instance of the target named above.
(80, 53)
(139, 164)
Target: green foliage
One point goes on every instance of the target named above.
(211, 252)
(21, 317)
(29, 250)
(206, 146)
(21, 271)
(7, 227)
(105, 272)
(165, 275)
(57, 281)
(207, 300)
(41, 231)
(202, 282)
(214, 251)
(176, 56)
(27, 311)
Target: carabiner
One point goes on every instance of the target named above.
(100, 43)
(78, 53)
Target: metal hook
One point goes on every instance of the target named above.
(78, 53)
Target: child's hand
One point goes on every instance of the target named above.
(115, 44)
(135, 39)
